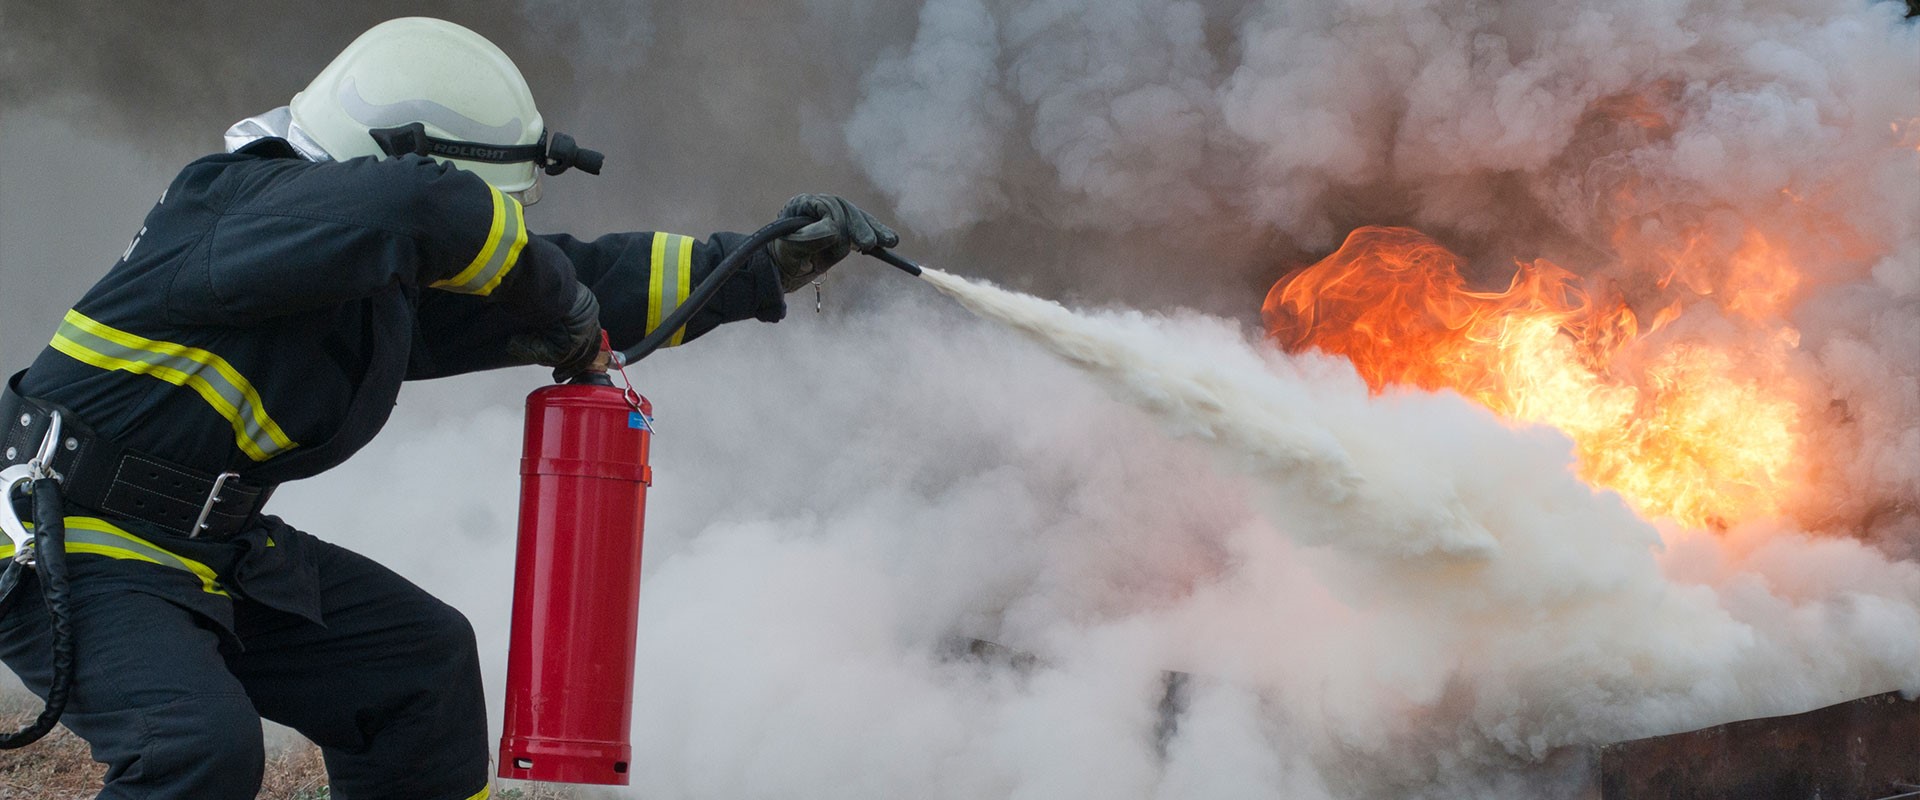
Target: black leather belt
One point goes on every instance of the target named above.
(99, 475)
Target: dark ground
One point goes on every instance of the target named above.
(59, 768)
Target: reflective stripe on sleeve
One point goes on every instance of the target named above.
(216, 381)
(683, 274)
(484, 793)
(95, 536)
(669, 281)
(505, 239)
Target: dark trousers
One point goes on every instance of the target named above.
(389, 688)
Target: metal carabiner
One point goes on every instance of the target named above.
(41, 467)
(10, 479)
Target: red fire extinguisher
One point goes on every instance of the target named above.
(576, 584)
(576, 588)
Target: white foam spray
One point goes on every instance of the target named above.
(1521, 610)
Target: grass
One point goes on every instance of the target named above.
(54, 768)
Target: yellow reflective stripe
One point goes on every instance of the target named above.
(513, 250)
(95, 536)
(683, 275)
(506, 237)
(212, 377)
(668, 280)
(656, 280)
(492, 243)
(484, 793)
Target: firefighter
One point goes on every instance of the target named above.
(257, 331)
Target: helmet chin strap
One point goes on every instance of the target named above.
(555, 153)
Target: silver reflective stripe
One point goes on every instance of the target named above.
(383, 115)
(669, 280)
(94, 536)
(505, 238)
(670, 298)
(77, 535)
(209, 375)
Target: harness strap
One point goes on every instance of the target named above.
(102, 476)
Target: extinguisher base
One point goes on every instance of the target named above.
(563, 761)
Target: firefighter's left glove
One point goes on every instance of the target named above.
(569, 345)
(842, 227)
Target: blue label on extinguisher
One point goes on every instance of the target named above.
(639, 421)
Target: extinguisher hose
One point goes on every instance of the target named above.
(732, 263)
(50, 555)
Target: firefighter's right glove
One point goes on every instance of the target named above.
(569, 345)
(842, 227)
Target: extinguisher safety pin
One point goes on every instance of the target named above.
(630, 394)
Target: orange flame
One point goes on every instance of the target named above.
(1691, 431)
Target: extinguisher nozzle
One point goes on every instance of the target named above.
(902, 264)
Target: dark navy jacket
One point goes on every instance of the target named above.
(266, 315)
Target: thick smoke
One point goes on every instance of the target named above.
(1397, 596)
(1516, 606)
(1607, 139)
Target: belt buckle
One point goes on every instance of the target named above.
(213, 499)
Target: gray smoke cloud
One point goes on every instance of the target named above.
(1609, 140)
(840, 496)
(1475, 551)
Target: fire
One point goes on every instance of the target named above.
(1908, 134)
(1702, 433)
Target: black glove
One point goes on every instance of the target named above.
(805, 253)
(570, 345)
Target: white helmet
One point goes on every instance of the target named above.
(428, 86)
